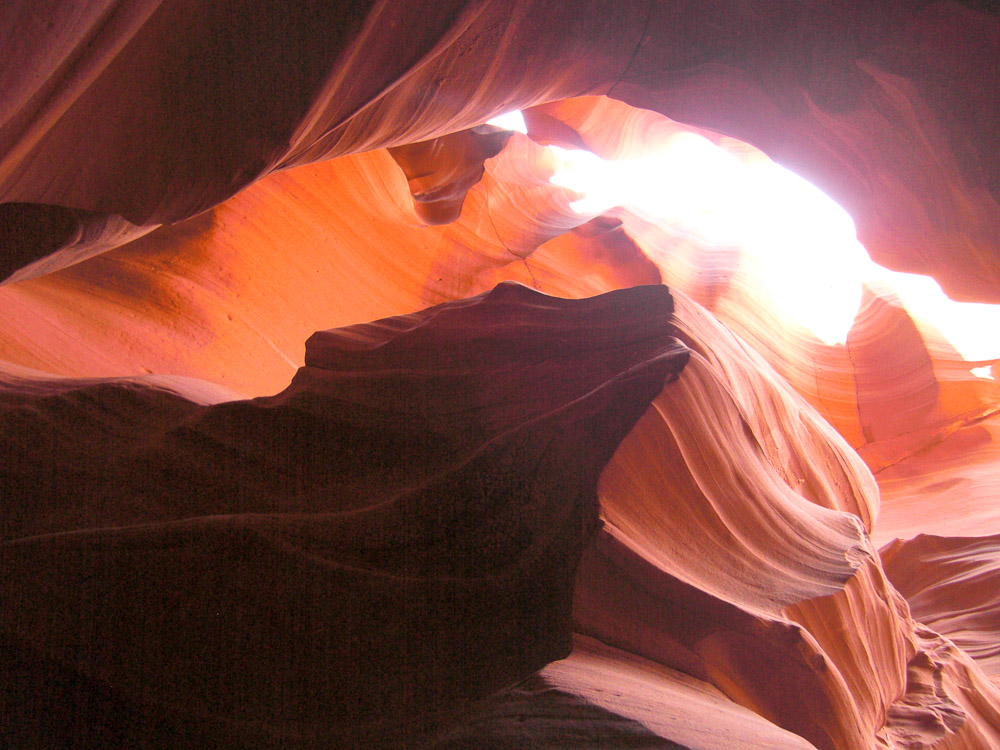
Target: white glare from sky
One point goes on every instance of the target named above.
(510, 121)
(805, 242)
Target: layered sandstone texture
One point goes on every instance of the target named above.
(583, 482)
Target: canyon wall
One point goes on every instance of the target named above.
(580, 483)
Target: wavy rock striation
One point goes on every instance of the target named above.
(481, 482)
(723, 567)
(951, 585)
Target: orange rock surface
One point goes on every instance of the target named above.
(790, 544)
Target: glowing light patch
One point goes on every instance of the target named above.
(805, 244)
(786, 224)
(969, 327)
(513, 120)
(986, 373)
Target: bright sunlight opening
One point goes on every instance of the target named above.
(804, 243)
(813, 265)
(510, 121)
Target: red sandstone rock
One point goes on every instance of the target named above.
(953, 586)
(736, 575)
(600, 696)
(889, 108)
(344, 563)
(441, 171)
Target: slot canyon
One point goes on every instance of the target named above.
(500, 375)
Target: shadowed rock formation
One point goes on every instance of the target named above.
(345, 562)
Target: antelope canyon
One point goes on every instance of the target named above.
(500, 374)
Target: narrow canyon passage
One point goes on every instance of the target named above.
(499, 375)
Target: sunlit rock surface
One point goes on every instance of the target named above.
(188, 191)
(951, 584)
(604, 697)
